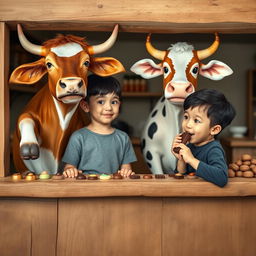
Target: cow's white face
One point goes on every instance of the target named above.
(180, 69)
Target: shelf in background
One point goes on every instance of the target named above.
(142, 94)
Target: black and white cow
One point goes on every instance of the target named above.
(180, 66)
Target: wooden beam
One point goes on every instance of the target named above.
(4, 101)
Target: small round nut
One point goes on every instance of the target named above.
(244, 168)
(253, 161)
(252, 166)
(248, 174)
(234, 167)
(247, 162)
(231, 173)
(246, 157)
(239, 174)
(253, 170)
(239, 162)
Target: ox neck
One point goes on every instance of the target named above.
(65, 112)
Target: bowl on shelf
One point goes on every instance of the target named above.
(238, 131)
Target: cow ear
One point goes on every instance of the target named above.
(147, 68)
(29, 73)
(215, 70)
(105, 66)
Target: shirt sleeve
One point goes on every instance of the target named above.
(73, 151)
(215, 170)
(129, 155)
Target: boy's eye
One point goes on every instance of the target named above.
(115, 102)
(197, 121)
(185, 117)
(100, 102)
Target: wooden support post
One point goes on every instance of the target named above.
(4, 101)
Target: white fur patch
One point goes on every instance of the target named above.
(67, 50)
(26, 127)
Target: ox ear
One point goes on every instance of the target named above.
(29, 73)
(105, 66)
(215, 70)
(147, 68)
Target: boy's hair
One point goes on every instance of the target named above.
(98, 85)
(218, 108)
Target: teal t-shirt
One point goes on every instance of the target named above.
(99, 153)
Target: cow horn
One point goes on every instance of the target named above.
(32, 48)
(153, 51)
(96, 49)
(203, 54)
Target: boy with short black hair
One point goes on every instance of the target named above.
(206, 113)
(99, 148)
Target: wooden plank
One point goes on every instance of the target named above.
(4, 101)
(110, 226)
(168, 187)
(213, 226)
(28, 227)
(134, 16)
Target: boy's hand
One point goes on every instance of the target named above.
(176, 143)
(126, 172)
(70, 172)
(188, 157)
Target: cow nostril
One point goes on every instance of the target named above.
(62, 85)
(80, 84)
(189, 89)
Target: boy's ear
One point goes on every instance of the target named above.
(84, 106)
(216, 129)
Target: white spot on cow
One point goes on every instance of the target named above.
(67, 50)
(181, 54)
(64, 121)
(46, 162)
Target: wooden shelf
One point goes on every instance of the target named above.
(142, 94)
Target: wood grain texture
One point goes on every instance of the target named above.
(28, 227)
(212, 226)
(4, 101)
(169, 187)
(110, 226)
(133, 16)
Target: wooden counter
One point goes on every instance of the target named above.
(127, 217)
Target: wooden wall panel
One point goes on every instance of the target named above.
(28, 227)
(110, 227)
(4, 101)
(212, 226)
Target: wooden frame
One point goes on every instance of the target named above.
(4, 101)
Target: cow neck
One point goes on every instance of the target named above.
(65, 112)
(176, 110)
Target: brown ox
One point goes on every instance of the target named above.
(48, 120)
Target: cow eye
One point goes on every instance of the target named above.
(195, 70)
(166, 70)
(87, 63)
(49, 64)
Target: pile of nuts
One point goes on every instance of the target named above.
(244, 167)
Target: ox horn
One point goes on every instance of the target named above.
(153, 51)
(32, 48)
(203, 54)
(96, 49)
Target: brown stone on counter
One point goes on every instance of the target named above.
(244, 168)
(147, 176)
(117, 176)
(16, 176)
(192, 175)
(134, 176)
(92, 177)
(58, 176)
(185, 138)
(179, 176)
(234, 167)
(248, 174)
(239, 174)
(231, 173)
(30, 176)
(171, 175)
(159, 176)
(80, 176)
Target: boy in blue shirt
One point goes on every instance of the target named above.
(206, 113)
(99, 148)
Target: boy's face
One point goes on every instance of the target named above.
(103, 108)
(197, 123)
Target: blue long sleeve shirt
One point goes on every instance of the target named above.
(212, 166)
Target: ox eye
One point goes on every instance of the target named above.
(166, 69)
(194, 70)
(87, 63)
(49, 64)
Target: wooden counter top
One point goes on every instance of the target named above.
(169, 187)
